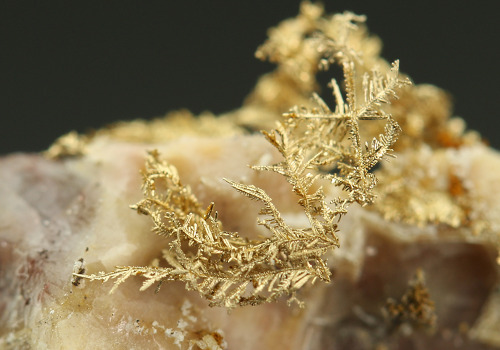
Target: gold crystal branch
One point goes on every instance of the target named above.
(415, 307)
(319, 146)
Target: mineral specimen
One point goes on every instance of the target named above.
(415, 266)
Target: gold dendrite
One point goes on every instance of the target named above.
(319, 147)
(415, 308)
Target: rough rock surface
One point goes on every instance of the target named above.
(61, 216)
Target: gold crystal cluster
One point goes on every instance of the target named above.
(414, 308)
(320, 146)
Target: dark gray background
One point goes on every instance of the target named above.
(79, 65)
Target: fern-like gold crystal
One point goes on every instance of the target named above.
(320, 147)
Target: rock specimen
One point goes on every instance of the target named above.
(415, 266)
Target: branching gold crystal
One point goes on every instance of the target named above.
(320, 147)
(415, 307)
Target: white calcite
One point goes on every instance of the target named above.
(73, 215)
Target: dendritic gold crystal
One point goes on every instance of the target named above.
(321, 148)
(415, 308)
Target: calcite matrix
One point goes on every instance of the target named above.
(417, 269)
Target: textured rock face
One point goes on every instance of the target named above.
(60, 216)
(55, 220)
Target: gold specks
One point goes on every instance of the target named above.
(172, 126)
(70, 145)
(414, 191)
(415, 308)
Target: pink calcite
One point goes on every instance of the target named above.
(62, 215)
